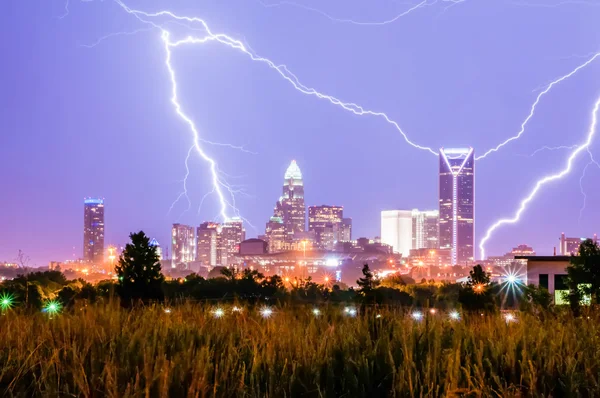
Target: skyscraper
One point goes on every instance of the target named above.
(292, 201)
(232, 233)
(457, 203)
(182, 244)
(346, 234)
(275, 234)
(93, 230)
(209, 244)
(425, 229)
(396, 230)
(327, 224)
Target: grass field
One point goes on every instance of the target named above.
(149, 352)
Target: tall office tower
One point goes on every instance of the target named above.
(457, 203)
(292, 201)
(182, 244)
(232, 233)
(425, 229)
(93, 230)
(396, 230)
(275, 234)
(346, 234)
(209, 243)
(154, 243)
(327, 224)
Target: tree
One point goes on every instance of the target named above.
(139, 271)
(367, 285)
(583, 275)
(477, 294)
(477, 276)
(367, 282)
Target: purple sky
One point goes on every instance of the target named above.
(77, 121)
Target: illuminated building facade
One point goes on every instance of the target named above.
(396, 230)
(346, 234)
(232, 233)
(182, 244)
(154, 243)
(275, 235)
(457, 204)
(208, 244)
(291, 207)
(425, 234)
(570, 246)
(327, 224)
(93, 230)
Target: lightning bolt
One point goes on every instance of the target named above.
(66, 10)
(552, 148)
(535, 104)
(219, 185)
(280, 69)
(421, 4)
(545, 180)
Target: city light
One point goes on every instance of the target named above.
(266, 312)
(236, 309)
(316, 312)
(432, 311)
(350, 311)
(52, 307)
(454, 315)
(479, 288)
(378, 316)
(6, 301)
(218, 312)
(167, 310)
(417, 315)
(510, 317)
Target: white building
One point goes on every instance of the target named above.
(397, 230)
(548, 272)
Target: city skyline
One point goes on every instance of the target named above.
(479, 98)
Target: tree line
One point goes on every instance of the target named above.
(140, 280)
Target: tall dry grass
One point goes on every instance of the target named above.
(107, 351)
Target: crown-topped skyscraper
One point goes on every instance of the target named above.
(457, 203)
(291, 207)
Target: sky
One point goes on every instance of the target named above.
(85, 111)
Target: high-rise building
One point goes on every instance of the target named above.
(209, 244)
(232, 233)
(275, 234)
(182, 244)
(93, 230)
(457, 204)
(291, 206)
(154, 243)
(346, 234)
(396, 230)
(570, 246)
(327, 224)
(425, 229)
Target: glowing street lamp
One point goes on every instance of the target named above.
(266, 312)
(454, 315)
(218, 312)
(316, 312)
(52, 307)
(6, 301)
(417, 315)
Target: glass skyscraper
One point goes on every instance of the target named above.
(93, 230)
(457, 204)
(292, 208)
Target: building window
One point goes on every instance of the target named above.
(544, 281)
(560, 282)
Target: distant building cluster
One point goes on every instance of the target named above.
(318, 241)
(444, 236)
